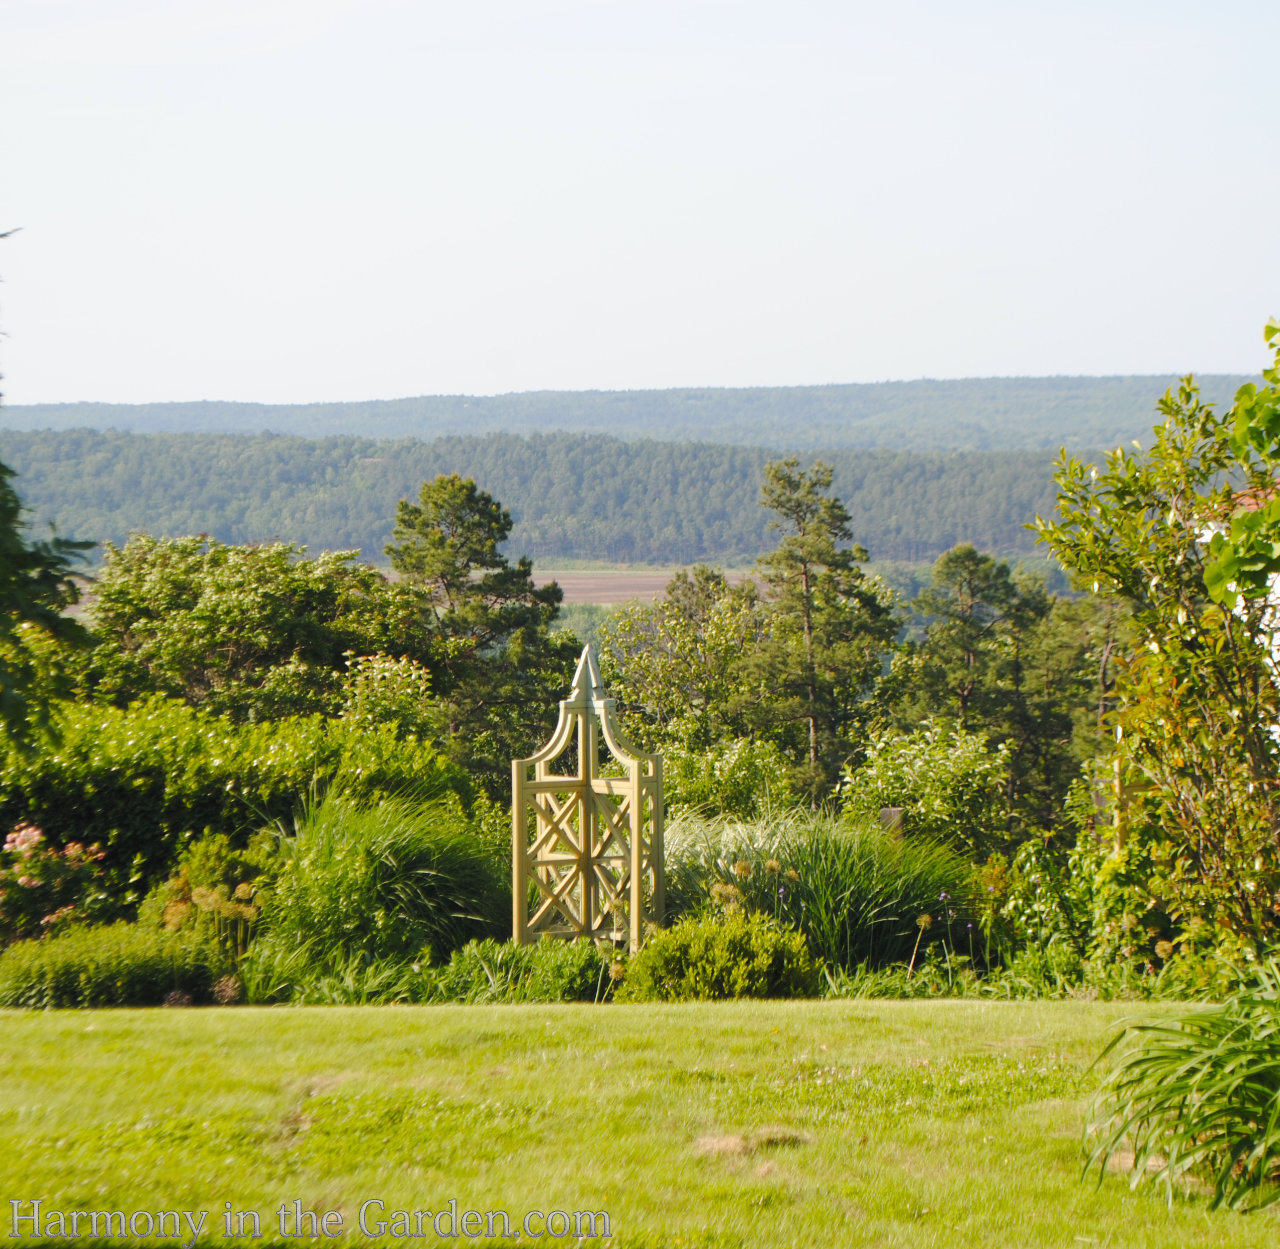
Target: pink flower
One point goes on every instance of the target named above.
(23, 840)
(28, 882)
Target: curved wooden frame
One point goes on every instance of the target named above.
(595, 857)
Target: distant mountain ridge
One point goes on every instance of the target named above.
(971, 414)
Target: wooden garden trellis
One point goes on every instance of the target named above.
(594, 861)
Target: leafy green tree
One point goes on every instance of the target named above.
(1198, 703)
(37, 584)
(497, 669)
(1002, 657)
(828, 632)
(676, 664)
(250, 632)
(1245, 558)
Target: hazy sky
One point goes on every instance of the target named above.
(290, 200)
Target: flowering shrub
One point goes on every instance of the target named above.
(217, 888)
(43, 888)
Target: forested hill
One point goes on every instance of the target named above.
(1014, 413)
(573, 496)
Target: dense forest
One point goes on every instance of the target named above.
(971, 414)
(573, 496)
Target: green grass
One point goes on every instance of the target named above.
(753, 1124)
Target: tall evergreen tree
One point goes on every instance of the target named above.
(1003, 658)
(498, 670)
(829, 627)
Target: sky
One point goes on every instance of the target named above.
(307, 200)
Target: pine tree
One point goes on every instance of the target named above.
(829, 627)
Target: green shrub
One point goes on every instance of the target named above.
(736, 954)
(395, 882)
(143, 781)
(735, 777)
(949, 783)
(1199, 1093)
(546, 971)
(856, 892)
(119, 965)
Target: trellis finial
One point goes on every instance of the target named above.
(587, 686)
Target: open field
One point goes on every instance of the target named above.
(606, 587)
(752, 1124)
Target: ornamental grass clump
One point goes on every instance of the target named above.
(547, 971)
(359, 886)
(855, 891)
(1198, 1094)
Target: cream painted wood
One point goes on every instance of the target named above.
(589, 847)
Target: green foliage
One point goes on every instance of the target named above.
(380, 690)
(736, 777)
(676, 664)
(497, 668)
(1076, 891)
(375, 883)
(586, 621)
(937, 973)
(572, 496)
(977, 615)
(1199, 1094)
(856, 893)
(1197, 692)
(732, 955)
(1001, 657)
(251, 632)
(546, 971)
(1245, 560)
(1033, 973)
(829, 628)
(949, 784)
(37, 584)
(119, 965)
(143, 781)
(215, 889)
(273, 973)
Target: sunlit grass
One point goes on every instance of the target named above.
(753, 1124)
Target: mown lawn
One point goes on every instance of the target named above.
(754, 1124)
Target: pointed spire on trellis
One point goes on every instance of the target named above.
(592, 860)
(587, 689)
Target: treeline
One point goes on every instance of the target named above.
(969, 414)
(572, 496)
